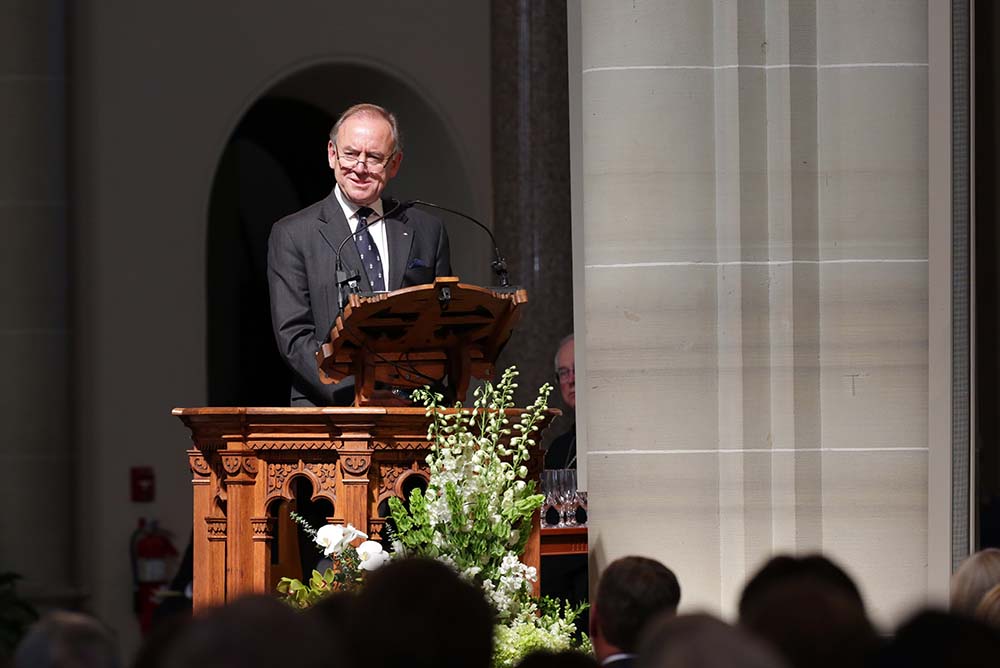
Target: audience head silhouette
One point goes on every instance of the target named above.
(810, 610)
(418, 613)
(702, 641)
(933, 638)
(631, 592)
(252, 632)
(67, 640)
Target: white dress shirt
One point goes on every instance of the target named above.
(377, 230)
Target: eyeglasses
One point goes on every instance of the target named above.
(373, 163)
(565, 373)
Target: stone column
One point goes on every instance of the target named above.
(755, 233)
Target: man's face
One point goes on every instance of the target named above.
(363, 137)
(566, 371)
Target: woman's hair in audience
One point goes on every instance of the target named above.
(976, 576)
(702, 641)
(988, 609)
(67, 639)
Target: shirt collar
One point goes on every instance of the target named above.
(350, 208)
(617, 657)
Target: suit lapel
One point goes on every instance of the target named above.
(400, 237)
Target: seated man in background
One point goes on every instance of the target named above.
(632, 592)
(566, 576)
(561, 453)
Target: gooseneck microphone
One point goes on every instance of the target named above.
(499, 264)
(350, 281)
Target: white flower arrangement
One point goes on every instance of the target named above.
(334, 538)
(334, 541)
(474, 516)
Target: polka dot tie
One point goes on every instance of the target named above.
(368, 251)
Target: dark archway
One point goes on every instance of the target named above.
(274, 164)
(265, 173)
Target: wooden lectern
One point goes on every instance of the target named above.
(245, 460)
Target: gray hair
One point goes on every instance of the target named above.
(368, 109)
(555, 358)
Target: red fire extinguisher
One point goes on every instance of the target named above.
(153, 554)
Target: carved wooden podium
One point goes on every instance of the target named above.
(245, 460)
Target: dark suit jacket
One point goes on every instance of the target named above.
(301, 276)
(562, 451)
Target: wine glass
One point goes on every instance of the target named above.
(567, 497)
(549, 491)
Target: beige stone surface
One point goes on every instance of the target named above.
(676, 498)
(650, 218)
(873, 163)
(875, 524)
(864, 31)
(616, 34)
(632, 138)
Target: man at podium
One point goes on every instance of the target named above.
(407, 247)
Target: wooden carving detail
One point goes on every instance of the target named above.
(376, 529)
(199, 466)
(400, 445)
(240, 467)
(263, 528)
(296, 445)
(322, 476)
(356, 464)
(388, 474)
(216, 528)
(278, 474)
(325, 476)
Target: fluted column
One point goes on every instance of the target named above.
(755, 231)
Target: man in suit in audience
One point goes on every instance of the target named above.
(631, 592)
(561, 453)
(565, 576)
(407, 248)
